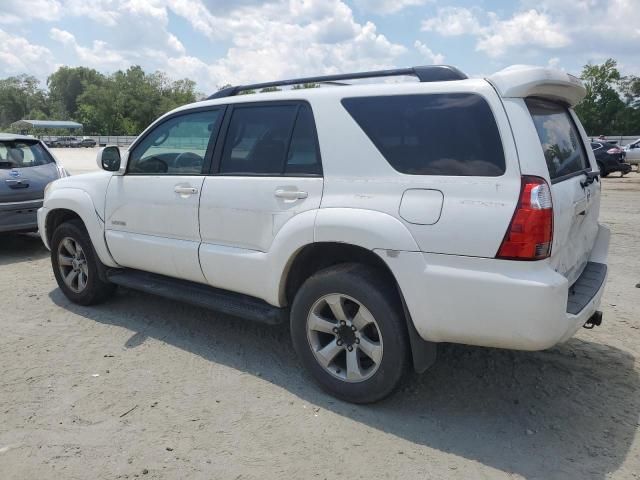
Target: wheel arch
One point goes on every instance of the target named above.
(69, 203)
(320, 255)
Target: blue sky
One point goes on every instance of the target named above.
(215, 42)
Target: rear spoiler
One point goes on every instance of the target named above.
(523, 81)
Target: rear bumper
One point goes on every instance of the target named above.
(19, 216)
(489, 302)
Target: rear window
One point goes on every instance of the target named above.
(559, 137)
(435, 134)
(22, 154)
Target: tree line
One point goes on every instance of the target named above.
(122, 103)
(125, 102)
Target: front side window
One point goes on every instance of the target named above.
(177, 146)
(432, 134)
(22, 154)
(559, 137)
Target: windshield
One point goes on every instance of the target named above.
(23, 154)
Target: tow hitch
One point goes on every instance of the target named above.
(594, 321)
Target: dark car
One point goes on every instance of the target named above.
(87, 142)
(610, 158)
(26, 168)
(65, 142)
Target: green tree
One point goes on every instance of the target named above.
(66, 85)
(21, 97)
(306, 85)
(270, 89)
(600, 111)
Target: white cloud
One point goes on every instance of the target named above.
(427, 53)
(554, 62)
(495, 36)
(283, 39)
(451, 21)
(524, 29)
(384, 7)
(99, 55)
(15, 11)
(18, 55)
(264, 40)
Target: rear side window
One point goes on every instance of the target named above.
(271, 140)
(435, 134)
(559, 137)
(22, 154)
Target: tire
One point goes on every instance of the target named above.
(603, 172)
(386, 339)
(93, 290)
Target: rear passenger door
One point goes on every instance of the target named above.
(266, 170)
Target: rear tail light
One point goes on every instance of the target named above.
(530, 232)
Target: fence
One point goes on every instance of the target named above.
(621, 140)
(120, 140)
(124, 140)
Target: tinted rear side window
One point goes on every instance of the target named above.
(435, 134)
(559, 137)
(271, 140)
(303, 157)
(257, 139)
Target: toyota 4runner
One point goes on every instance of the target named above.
(378, 219)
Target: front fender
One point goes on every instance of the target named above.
(79, 202)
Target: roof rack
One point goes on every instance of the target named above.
(426, 73)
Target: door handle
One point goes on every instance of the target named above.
(185, 190)
(290, 194)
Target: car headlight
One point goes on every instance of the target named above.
(46, 189)
(62, 172)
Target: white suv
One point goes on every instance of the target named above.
(378, 219)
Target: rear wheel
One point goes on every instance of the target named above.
(349, 332)
(76, 265)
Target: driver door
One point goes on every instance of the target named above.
(151, 214)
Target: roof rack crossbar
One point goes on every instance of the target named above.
(426, 73)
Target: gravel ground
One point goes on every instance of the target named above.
(149, 388)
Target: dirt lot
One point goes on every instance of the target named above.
(145, 387)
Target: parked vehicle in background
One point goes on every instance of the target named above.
(65, 142)
(26, 168)
(87, 142)
(377, 219)
(610, 158)
(632, 153)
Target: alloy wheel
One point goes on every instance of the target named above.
(344, 337)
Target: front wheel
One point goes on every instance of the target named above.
(76, 265)
(349, 332)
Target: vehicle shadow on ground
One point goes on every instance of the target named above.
(577, 403)
(17, 248)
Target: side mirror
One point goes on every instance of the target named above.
(109, 158)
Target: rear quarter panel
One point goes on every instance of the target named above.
(476, 211)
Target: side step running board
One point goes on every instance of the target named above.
(229, 303)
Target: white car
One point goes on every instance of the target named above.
(377, 219)
(632, 153)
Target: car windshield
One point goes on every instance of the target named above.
(22, 154)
